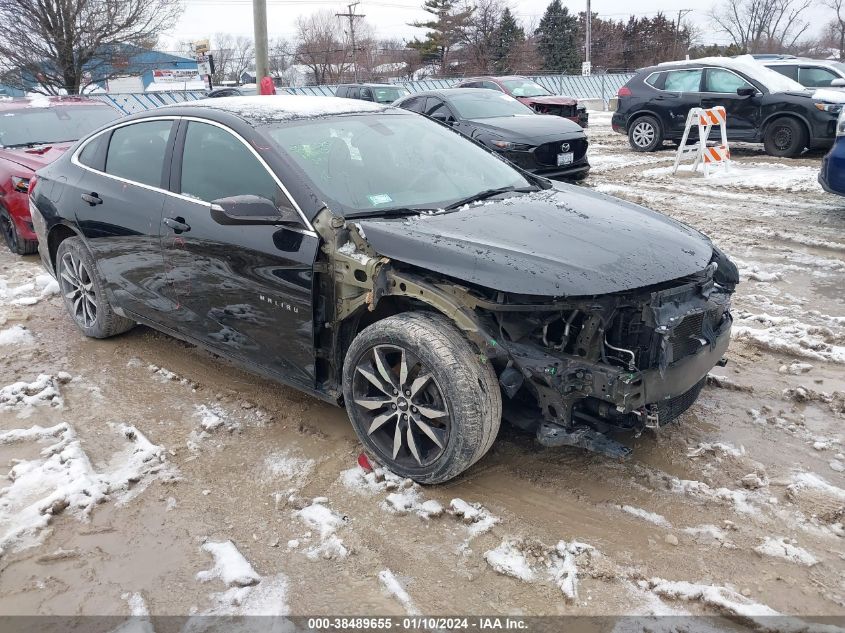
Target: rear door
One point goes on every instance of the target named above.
(118, 205)
(681, 91)
(244, 289)
(743, 112)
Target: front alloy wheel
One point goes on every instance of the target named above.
(404, 409)
(78, 290)
(422, 400)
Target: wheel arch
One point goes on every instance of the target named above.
(632, 118)
(786, 115)
(58, 234)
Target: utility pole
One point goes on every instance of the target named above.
(587, 68)
(681, 14)
(352, 16)
(259, 19)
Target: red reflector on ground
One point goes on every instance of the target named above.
(364, 462)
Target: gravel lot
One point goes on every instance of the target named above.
(134, 461)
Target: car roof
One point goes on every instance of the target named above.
(445, 92)
(271, 108)
(805, 61)
(371, 85)
(43, 101)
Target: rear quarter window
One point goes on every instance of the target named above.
(136, 152)
(655, 80)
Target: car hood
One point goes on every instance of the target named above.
(534, 126)
(565, 241)
(34, 158)
(550, 99)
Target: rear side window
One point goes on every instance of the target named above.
(93, 155)
(353, 93)
(816, 77)
(341, 91)
(786, 71)
(683, 80)
(136, 152)
(724, 81)
(655, 80)
(217, 165)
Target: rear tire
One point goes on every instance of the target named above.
(645, 134)
(785, 137)
(433, 419)
(83, 292)
(12, 238)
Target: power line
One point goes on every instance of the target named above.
(351, 16)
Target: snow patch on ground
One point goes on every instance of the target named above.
(747, 175)
(323, 519)
(651, 517)
(394, 588)
(292, 468)
(24, 396)
(26, 286)
(16, 336)
(62, 478)
(474, 515)
(781, 334)
(230, 566)
(404, 496)
(782, 547)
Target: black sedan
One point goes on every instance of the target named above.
(762, 106)
(380, 261)
(545, 145)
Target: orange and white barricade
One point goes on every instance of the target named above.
(705, 119)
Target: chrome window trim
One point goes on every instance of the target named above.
(307, 229)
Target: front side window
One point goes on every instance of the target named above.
(389, 95)
(525, 88)
(724, 81)
(484, 105)
(415, 104)
(215, 164)
(379, 162)
(683, 80)
(436, 108)
(136, 152)
(786, 71)
(367, 94)
(816, 77)
(54, 124)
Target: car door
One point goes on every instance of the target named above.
(243, 289)
(743, 111)
(118, 205)
(681, 91)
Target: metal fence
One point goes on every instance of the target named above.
(601, 87)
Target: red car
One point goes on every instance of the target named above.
(533, 95)
(35, 131)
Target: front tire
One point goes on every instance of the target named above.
(421, 399)
(13, 240)
(83, 292)
(646, 134)
(785, 137)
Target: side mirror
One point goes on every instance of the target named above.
(747, 91)
(837, 83)
(250, 210)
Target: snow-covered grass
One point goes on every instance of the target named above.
(62, 478)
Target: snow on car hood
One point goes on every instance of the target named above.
(747, 65)
(565, 241)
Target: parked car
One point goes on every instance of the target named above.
(832, 173)
(533, 95)
(234, 91)
(762, 106)
(376, 259)
(33, 133)
(379, 93)
(545, 145)
(811, 73)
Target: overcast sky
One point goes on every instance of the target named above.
(204, 18)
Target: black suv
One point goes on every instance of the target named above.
(379, 93)
(762, 106)
(376, 259)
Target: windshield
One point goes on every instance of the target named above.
(486, 104)
(52, 125)
(389, 95)
(525, 88)
(361, 164)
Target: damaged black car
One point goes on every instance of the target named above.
(380, 261)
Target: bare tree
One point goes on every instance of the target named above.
(321, 45)
(222, 46)
(279, 56)
(243, 56)
(62, 45)
(762, 25)
(478, 35)
(837, 26)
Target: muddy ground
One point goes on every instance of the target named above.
(735, 510)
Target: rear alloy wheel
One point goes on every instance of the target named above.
(785, 137)
(645, 135)
(420, 398)
(82, 292)
(13, 240)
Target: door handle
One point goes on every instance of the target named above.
(177, 224)
(92, 198)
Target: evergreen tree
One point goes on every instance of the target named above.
(557, 39)
(509, 35)
(444, 31)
